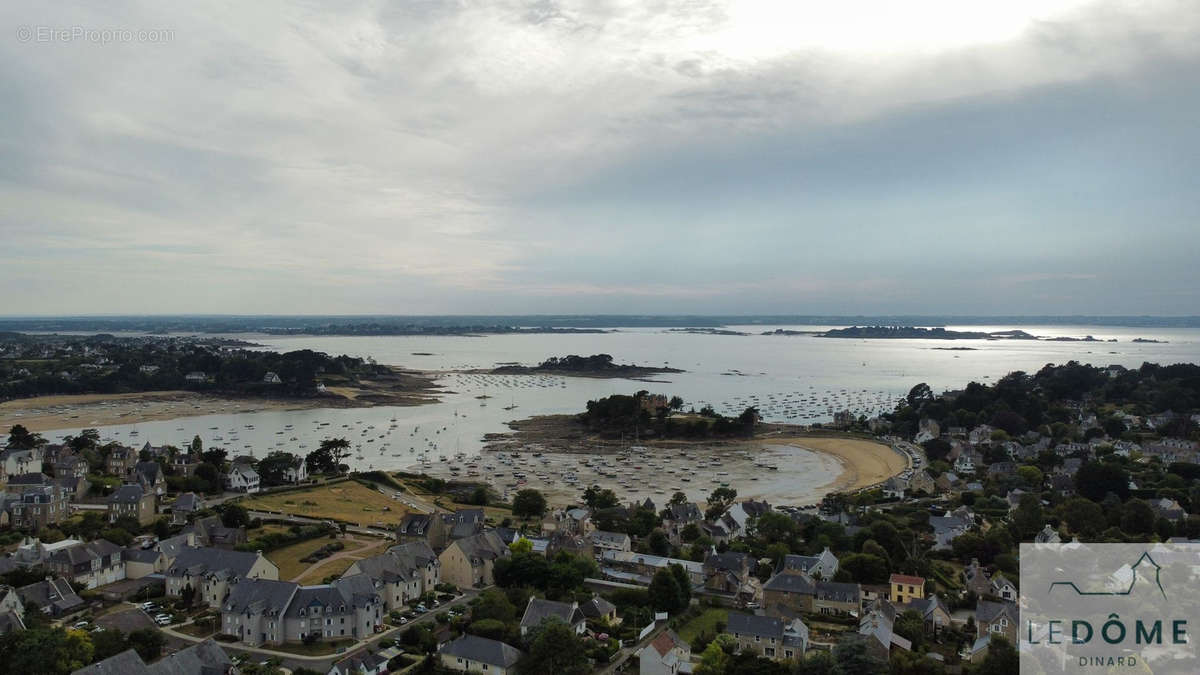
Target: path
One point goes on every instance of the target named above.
(627, 652)
(293, 661)
(363, 545)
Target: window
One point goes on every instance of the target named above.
(769, 651)
(757, 638)
(787, 653)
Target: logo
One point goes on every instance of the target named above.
(1132, 580)
(1109, 608)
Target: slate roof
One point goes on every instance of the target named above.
(363, 660)
(483, 546)
(187, 503)
(987, 611)
(619, 539)
(791, 583)
(837, 592)
(483, 650)
(260, 596)
(597, 607)
(204, 559)
(56, 594)
(29, 479)
(126, 494)
(538, 610)
(126, 663)
(206, 658)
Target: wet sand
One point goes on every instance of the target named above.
(47, 413)
(783, 470)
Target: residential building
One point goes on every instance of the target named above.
(996, 617)
(474, 654)
(242, 478)
(467, 562)
(789, 594)
(120, 461)
(297, 470)
(91, 564)
(599, 609)
(149, 475)
(405, 572)
(428, 528)
(131, 500)
(640, 567)
(836, 598)
(538, 610)
(348, 607)
(210, 531)
(769, 637)
(823, 565)
(906, 588)
(185, 506)
(38, 507)
(362, 662)
(610, 541)
(667, 654)
(53, 596)
(254, 610)
(210, 572)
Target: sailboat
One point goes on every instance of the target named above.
(512, 405)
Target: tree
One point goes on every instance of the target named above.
(1082, 515)
(658, 543)
(713, 660)
(1137, 517)
(853, 658)
(683, 582)
(664, 592)
(235, 515)
(865, 568)
(521, 545)
(53, 651)
(148, 642)
(339, 449)
(911, 625)
(678, 498)
(555, 648)
(479, 496)
(21, 438)
(1028, 518)
(108, 642)
(1096, 479)
(1001, 658)
(690, 532)
(529, 504)
(272, 469)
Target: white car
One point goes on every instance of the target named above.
(162, 620)
(80, 624)
(403, 620)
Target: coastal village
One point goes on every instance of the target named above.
(182, 559)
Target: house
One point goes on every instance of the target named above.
(464, 523)
(1003, 588)
(667, 654)
(538, 610)
(731, 573)
(967, 462)
(894, 488)
(1002, 470)
(142, 562)
(120, 462)
(428, 528)
(93, 564)
(254, 610)
(933, 611)
(678, 516)
(211, 572)
(1168, 508)
(948, 527)
(610, 541)
(947, 482)
(53, 596)
(1048, 535)
(467, 562)
(150, 476)
(297, 470)
(789, 594)
(185, 506)
(474, 654)
(742, 513)
(196, 376)
(360, 663)
(126, 663)
(823, 565)
(976, 579)
(599, 609)
(348, 607)
(38, 507)
(16, 462)
(210, 531)
(70, 467)
(640, 567)
(836, 598)
(996, 617)
(272, 378)
(242, 478)
(132, 501)
(906, 588)
(769, 637)
(876, 628)
(401, 574)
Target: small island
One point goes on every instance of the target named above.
(914, 333)
(1149, 341)
(706, 331)
(596, 365)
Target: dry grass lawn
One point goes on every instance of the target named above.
(340, 565)
(347, 501)
(288, 557)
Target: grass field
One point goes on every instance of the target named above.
(340, 565)
(346, 500)
(288, 557)
(705, 623)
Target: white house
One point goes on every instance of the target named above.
(298, 471)
(272, 378)
(243, 478)
(668, 654)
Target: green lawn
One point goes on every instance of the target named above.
(705, 623)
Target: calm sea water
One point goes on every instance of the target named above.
(789, 378)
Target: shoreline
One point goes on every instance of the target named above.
(71, 411)
(864, 462)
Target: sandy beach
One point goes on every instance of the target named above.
(48, 413)
(787, 469)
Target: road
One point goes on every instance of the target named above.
(324, 662)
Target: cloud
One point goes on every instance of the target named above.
(538, 156)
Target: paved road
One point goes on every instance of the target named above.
(323, 663)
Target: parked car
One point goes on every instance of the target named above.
(80, 624)
(403, 620)
(162, 620)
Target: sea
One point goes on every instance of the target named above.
(800, 379)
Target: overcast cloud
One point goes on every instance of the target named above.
(575, 157)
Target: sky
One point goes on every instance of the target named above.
(611, 156)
